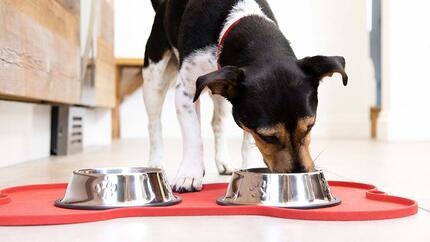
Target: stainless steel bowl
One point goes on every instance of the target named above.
(258, 186)
(117, 187)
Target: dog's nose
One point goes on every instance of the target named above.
(299, 169)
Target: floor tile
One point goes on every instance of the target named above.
(399, 169)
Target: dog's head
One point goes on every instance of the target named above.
(276, 104)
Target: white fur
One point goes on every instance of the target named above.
(241, 9)
(251, 157)
(222, 109)
(157, 79)
(191, 171)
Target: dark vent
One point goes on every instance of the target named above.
(67, 130)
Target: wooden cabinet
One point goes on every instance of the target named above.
(40, 52)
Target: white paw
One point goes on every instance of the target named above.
(189, 177)
(188, 183)
(224, 168)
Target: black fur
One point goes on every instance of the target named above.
(157, 43)
(260, 73)
(188, 25)
(156, 4)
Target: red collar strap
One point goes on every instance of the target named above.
(223, 38)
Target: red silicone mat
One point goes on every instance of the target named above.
(33, 205)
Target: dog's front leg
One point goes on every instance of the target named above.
(190, 174)
(251, 157)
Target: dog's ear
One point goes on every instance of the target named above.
(225, 82)
(322, 66)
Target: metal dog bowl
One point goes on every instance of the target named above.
(258, 186)
(117, 187)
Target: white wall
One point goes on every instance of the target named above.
(334, 27)
(133, 21)
(97, 127)
(405, 64)
(330, 27)
(25, 132)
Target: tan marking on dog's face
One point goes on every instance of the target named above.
(279, 147)
(275, 154)
(302, 133)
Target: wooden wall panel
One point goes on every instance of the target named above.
(60, 16)
(105, 75)
(105, 61)
(39, 50)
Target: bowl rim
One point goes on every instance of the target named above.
(266, 171)
(116, 171)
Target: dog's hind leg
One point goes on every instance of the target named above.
(219, 118)
(157, 79)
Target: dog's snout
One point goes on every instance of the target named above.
(289, 167)
(299, 169)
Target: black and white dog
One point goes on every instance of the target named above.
(236, 50)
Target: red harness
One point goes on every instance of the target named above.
(222, 40)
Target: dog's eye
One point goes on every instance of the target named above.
(309, 128)
(272, 139)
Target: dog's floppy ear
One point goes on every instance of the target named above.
(224, 81)
(322, 66)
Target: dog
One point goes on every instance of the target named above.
(233, 48)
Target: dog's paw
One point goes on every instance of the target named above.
(189, 177)
(188, 184)
(224, 168)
